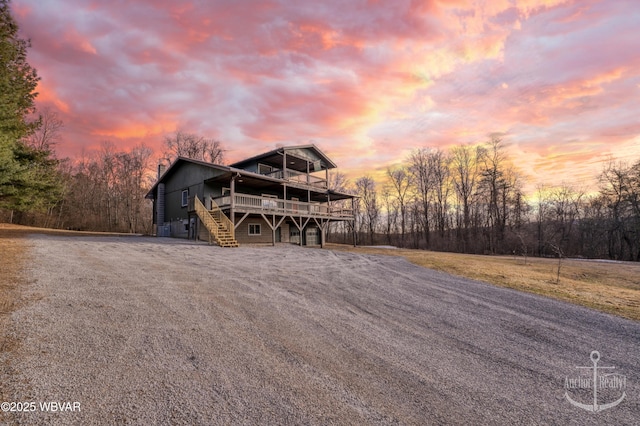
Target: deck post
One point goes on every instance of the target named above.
(322, 230)
(353, 222)
(301, 231)
(284, 164)
(232, 202)
(284, 177)
(273, 231)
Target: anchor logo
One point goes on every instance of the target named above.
(606, 380)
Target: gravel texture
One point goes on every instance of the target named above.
(161, 331)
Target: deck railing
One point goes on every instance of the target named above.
(278, 205)
(299, 177)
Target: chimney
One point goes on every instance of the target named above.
(161, 168)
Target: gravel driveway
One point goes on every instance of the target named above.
(161, 331)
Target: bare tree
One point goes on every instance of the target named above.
(423, 180)
(439, 168)
(558, 251)
(391, 209)
(565, 208)
(106, 191)
(496, 188)
(338, 182)
(48, 134)
(366, 190)
(465, 176)
(193, 146)
(620, 185)
(131, 171)
(401, 182)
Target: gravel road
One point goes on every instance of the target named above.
(159, 331)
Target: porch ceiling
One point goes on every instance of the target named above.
(293, 162)
(246, 180)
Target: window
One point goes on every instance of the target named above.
(254, 229)
(185, 198)
(264, 169)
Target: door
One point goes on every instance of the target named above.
(313, 235)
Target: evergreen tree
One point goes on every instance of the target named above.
(28, 177)
(18, 80)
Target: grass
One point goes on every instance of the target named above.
(605, 286)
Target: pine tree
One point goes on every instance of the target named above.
(18, 80)
(27, 174)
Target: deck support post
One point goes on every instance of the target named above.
(323, 233)
(284, 164)
(232, 202)
(273, 225)
(353, 222)
(273, 231)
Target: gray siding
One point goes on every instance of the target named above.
(242, 231)
(190, 177)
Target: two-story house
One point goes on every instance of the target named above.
(279, 196)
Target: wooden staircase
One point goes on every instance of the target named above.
(217, 223)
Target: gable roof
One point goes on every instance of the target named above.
(275, 155)
(228, 170)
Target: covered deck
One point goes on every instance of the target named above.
(246, 203)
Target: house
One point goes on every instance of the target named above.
(278, 196)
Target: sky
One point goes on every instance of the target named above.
(367, 81)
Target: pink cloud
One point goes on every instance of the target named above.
(366, 80)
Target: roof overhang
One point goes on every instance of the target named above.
(174, 166)
(295, 160)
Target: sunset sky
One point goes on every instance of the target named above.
(367, 81)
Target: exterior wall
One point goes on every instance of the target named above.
(178, 228)
(214, 190)
(242, 231)
(191, 177)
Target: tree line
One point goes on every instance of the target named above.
(105, 191)
(470, 199)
